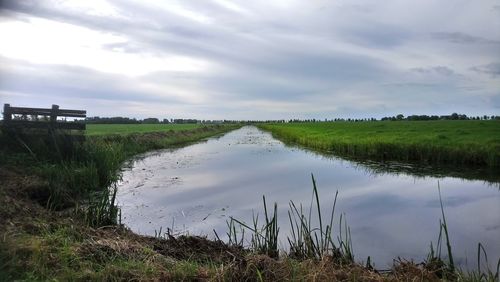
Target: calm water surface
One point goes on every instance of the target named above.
(195, 189)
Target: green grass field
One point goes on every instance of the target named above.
(442, 142)
(123, 129)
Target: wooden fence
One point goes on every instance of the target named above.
(11, 122)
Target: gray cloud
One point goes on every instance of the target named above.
(378, 35)
(492, 69)
(442, 70)
(462, 38)
(77, 82)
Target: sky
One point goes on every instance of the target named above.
(223, 59)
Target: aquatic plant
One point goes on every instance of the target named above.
(305, 241)
(264, 239)
(446, 268)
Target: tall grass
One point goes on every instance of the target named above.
(305, 241)
(100, 209)
(444, 227)
(308, 241)
(446, 268)
(264, 239)
(484, 273)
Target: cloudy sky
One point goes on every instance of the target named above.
(215, 59)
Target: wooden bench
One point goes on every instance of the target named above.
(50, 123)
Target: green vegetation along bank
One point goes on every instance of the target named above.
(468, 142)
(123, 129)
(58, 218)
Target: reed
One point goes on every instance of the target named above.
(446, 268)
(484, 273)
(444, 227)
(100, 209)
(264, 239)
(235, 238)
(305, 241)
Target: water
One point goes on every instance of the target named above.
(195, 189)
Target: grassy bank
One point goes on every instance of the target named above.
(475, 143)
(124, 129)
(58, 223)
(55, 193)
(75, 171)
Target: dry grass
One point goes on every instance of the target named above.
(265, 268)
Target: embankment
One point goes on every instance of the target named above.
(451, 143)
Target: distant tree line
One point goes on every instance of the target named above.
(126, 120)
(453, 116)
(111, 120)
(399, 117)
(329, 120)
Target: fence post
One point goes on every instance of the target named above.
(53, 118)
(7, 116)
(53, 114)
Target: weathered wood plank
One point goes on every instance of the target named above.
(71, 113)
(29, 111)
(44, 124)
(45, 112)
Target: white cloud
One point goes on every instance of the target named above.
(50, 42)
(91, 7)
